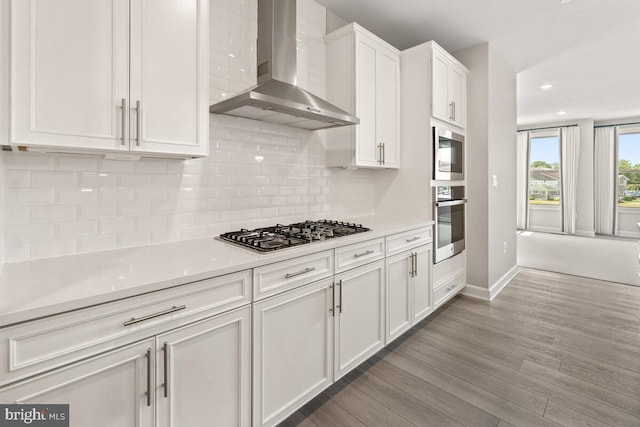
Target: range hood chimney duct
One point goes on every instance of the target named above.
(277, 98)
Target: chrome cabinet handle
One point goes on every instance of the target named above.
(415, 265)
(148, 356)
(123, 119)
(453, 109)
(151, 316)
(333, 300)
(306, 270)
(165, 351)
(363, 254)
(138, 122)
(384, 154)
(340, 306)
(452, 202)
(413, 239)
(379, 154)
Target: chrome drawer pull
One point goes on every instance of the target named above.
(148, 393)
(151, 316)
(165, 351)
(413, 239)
(306, 270)
(369, 252)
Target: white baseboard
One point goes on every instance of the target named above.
(586, 233)
(494, 290)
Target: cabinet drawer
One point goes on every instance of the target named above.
(448, 289)
(33, 347)
(281, 276)
(359, 254)
(407, 240)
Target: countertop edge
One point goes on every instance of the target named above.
(154, 285)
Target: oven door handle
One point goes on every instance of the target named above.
(452, 202)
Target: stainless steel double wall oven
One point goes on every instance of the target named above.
(448, 193)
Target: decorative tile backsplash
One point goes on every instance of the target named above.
(256, 173)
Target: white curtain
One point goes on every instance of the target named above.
(570, 149)
(605, 180)
(522, 180)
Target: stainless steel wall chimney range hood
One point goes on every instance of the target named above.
(277, 98)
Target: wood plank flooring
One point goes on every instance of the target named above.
(549, 350)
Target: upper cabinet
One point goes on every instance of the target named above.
(448, 87)
(363, 78)
(125, 77)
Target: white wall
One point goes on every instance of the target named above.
(256, 173)
(604, 258)
(4, 110)
(491, 136)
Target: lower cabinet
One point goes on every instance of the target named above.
(408, 295)
(114, 388)
(197, 375)
(292, 350)
(203, 375)
(359, 320)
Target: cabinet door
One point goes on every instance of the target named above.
(422, 299)
(360, 317)
(388, 106)
(203, 372)
(169, 76)
(440, 107)
(292, 350)
(110, 389)
(399, 281)
(367, 152)
(70, 73)
(457, 94)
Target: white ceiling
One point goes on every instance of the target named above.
(589, 49)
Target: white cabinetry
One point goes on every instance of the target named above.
(125, 77)
(182, 354)
(204, 372)
(449, 278)
(363, 78)
(292, 350)
(359, 321)
(448, 87)
(114, 388)
(408, 284)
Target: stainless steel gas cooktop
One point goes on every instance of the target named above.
(267, 239)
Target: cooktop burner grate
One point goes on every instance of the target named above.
(267, 239)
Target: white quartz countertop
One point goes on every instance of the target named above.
(38, 288)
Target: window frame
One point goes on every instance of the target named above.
(623, 130)
(556, 209)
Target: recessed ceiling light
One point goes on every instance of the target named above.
(562, 113)
(565, 1)
(546, 86)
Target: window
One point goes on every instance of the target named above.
(628, 179)
(544, 171)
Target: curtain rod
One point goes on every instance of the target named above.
(550, 127)
(618, 124)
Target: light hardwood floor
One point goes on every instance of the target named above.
(549, 350)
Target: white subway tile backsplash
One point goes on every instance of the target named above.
(256, 174)
(75, 229)
(76, 196)
(101, 242)
(76, 163)
(97, 179)
(52, 248)
(136, 238)
(48, 214)
(28, 161)
(46, 179)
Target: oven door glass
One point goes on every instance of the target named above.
(449, 161)
(450, 224)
